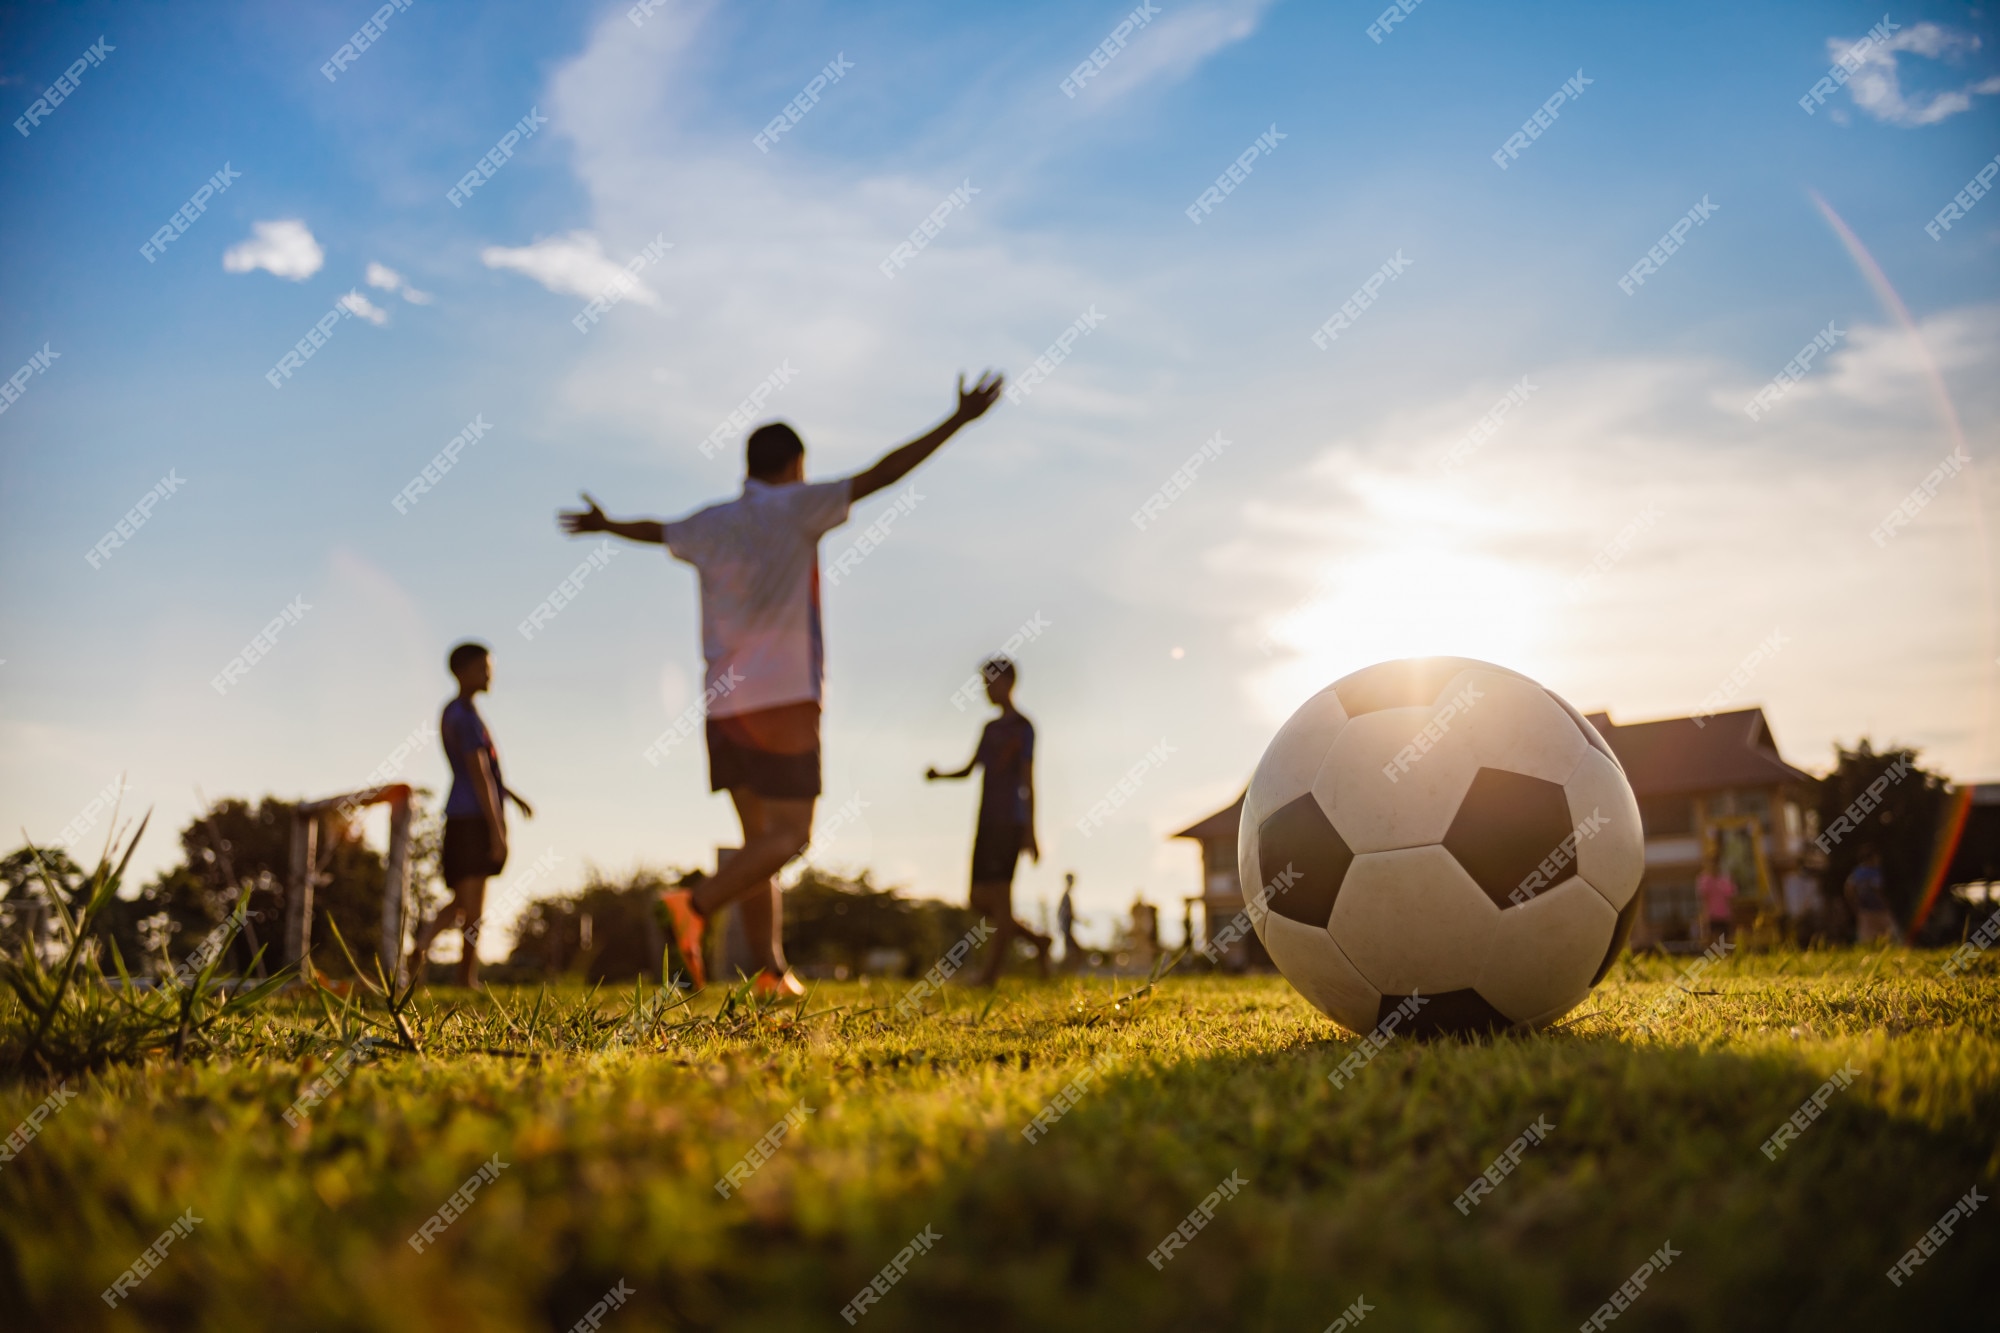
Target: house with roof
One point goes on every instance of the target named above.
(1710, 783)
(1221, 895)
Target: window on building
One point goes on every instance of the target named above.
(1671, 904)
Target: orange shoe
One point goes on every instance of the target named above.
(775, 986)
(688, 927)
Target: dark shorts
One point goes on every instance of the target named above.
(773, 752)
(468, 850)
(995, 849)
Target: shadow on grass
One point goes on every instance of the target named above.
(1351, 1195)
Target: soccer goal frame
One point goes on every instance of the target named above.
(308, 866)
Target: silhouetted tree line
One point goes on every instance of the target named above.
(609, 930)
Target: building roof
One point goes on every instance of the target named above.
(1222, 824)
(1679, 755)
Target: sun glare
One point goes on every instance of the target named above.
(1418, 584)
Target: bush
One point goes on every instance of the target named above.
(64, 1014)
(606, 931)
(832, 921)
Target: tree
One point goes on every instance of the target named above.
(831, 920)
(1900, 821)
(235, 849)
(26, 918)
(607, 930)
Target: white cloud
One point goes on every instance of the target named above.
(790, 247)
(388, 280)
(1876, 86)
(363, 308)
(1378, 555)
(575, 264)
(284, 247)
(1174, 46)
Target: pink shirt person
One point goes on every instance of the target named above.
(1717, 892)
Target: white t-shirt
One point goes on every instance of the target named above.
(758, 557)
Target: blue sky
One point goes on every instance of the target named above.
(1325, 536)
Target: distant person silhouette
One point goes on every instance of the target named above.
(475, 820)
(1066, 923)
(758, 561)
(1717, 892)
(1006, 817)
(1866, 893)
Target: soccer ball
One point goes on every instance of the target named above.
(1445, 829)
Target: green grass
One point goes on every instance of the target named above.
(612, 1152)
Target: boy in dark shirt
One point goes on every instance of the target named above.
(475, 823)
(1006, 817)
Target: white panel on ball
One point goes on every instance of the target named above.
(1410, 804)
(1413, 920)
(1613, 858)
(1515, 725)
(1319, 971)
(1292, 760)
(1545, 952)
(1248, 876)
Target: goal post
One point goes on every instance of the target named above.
(305, 869)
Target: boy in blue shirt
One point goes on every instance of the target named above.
(475, 821)
(1006, 817)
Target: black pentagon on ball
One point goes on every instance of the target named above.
(1452, 1013)
(1301, 839)
(1620, 930)
(1507, 827)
